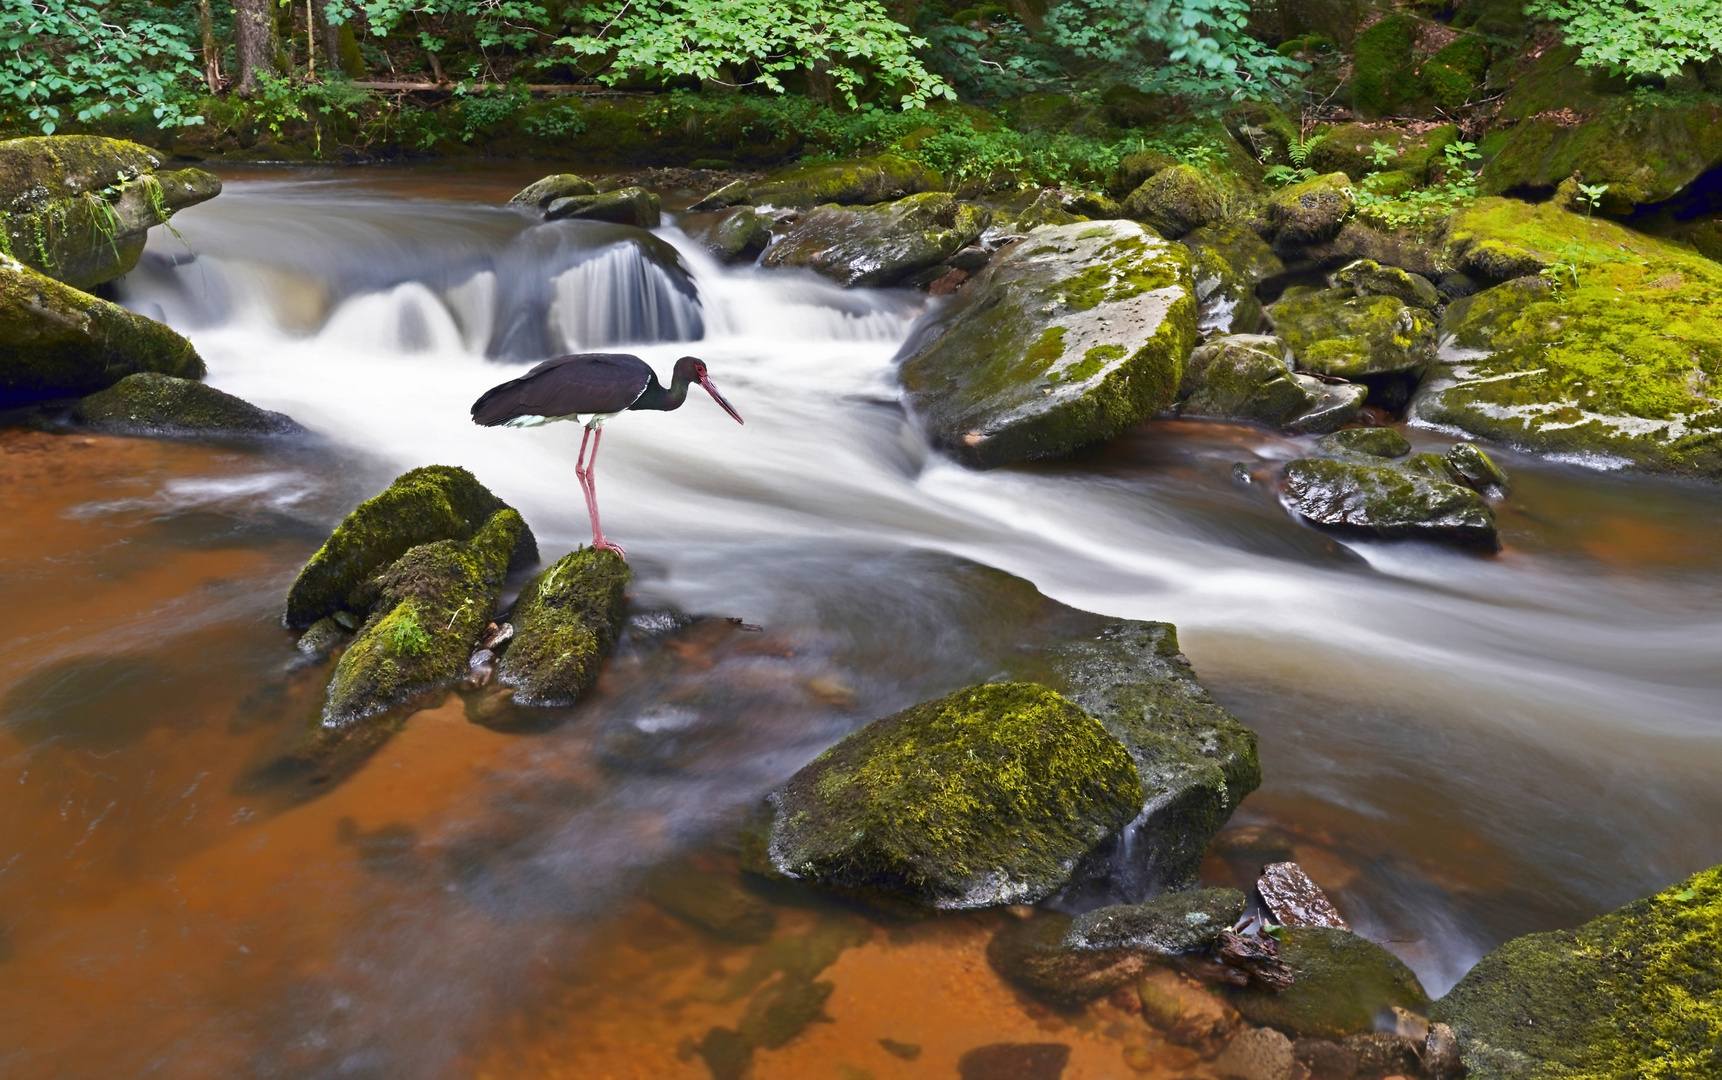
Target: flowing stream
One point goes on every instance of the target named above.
(1464, 749)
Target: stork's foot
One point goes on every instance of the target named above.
(604, 543)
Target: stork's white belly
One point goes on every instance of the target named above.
(595, 420)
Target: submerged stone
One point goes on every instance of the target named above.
(1072, 960)
(716, 903)
(148, 403)
(565, 622)
(1335, 332)
(541, 193)
(1637, 992)
(987, 796)
(624, 206)
(1342, 985)
(1387, 502)
(857, 182)
(78, 208)
(878, 245)
(1176, 200)
(1067, 337)
(57, 342)
(437, 502)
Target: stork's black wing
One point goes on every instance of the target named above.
(582, 383)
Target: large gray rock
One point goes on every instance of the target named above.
(151, 404)
(1387, 502)
(57, 342)
(1068, 337)
(541, 193)
(878, 245)
(1249, 377)
(1228, 262)
(78, 208)
(1336, 332)
(858, 182)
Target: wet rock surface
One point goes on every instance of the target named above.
(1250, 377)
(1257, 1054)
(1386, 502)
(1066, 338)
(148, 403)
(733, 235)
(624, 206)
(878, 245)
(541, 193)
(565, 622)
(1228, 262)
(1341, 984)
(57, 342)
(857, 182)
(1336, 332)
(1292, 899)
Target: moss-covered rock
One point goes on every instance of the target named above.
(1135, 169)
(882, 244)
(437, 502)
(1378, 442)
(862, 181)
(1636, 993)
(1228, 261)
(1366, 277)
(1613, 355)
(427, 610)
(1474, 467)
(1454, 75)
(57, 342)
(1353, 149)
(1310, 212)
(733, 235)
(1071, 960)
(1066, 338)
(1341, 984)
(1387, 502)
(988, 796)
(1555, 122)
(564, 623)
(541, 193)
(148, 403)
(1383, 71)
(625, 206)
(1336, 332)
(1173, 201)
(1250, 377)
(79, 207)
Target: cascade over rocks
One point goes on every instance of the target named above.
(148, 403)
(1068, 337)
(79, 207)
(57, 342)
(858, 182)
(881, 244)
(733, 235)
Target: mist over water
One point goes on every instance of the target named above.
(1506, 744)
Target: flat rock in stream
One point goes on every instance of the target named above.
(878, 245)
(1068, 337)
(564, 623)
(1387, 502)
(149, 403)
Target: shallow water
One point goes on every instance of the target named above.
(1463, 749)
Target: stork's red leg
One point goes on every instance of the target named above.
(590, 482)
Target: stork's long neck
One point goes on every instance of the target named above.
(658, 399)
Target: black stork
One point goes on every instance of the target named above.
(591, 388)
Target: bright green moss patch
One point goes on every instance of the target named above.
(565, 621)
(1455, 73)
(987, 796)
(1382, 74)
(1636, 993)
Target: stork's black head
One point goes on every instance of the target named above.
(691, 369)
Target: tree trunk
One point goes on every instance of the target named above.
(254, 38)
(819, 81)
(211, 56)
(341, 47)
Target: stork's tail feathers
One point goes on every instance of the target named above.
(499, 405)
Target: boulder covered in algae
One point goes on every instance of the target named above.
(436, 502)
(149, 403)
(1637, 992)
(1389, 502)
(1068, 337)
(564, 623)
(990, 795)
(1342, 984)
(426, 610)
(857, 182)
(57, 342)
(79, 207)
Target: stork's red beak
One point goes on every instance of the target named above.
(706, 382)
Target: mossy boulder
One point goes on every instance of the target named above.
(733, 235)
(1378, 442)
(1176, 200)
(1366, 277)
(858, 182)
(881, 244)
(1637, 993)
(79, 207)
(1228, 261)
(57, 342)
(437, 502)
(1353, 149)
(427, 609)
(988, 796)
(1068, 337)
(1386, 502)
(1454, 75)
(148, 403)
(1069, 960)
(1336, 332)
(1250, 377)
(1557, 122)
(1383, 67)
(1135, 169)
(541, 193)
(1310, 212)
(564, 623)
(1613, 356)
(1341, 985)
(624, 206)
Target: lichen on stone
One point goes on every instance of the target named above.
(1336, 332)
(149, 403)
(565, 622)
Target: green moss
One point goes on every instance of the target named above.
(1375, 442)
(149, 403)
(1311, 211)
(1388, 502)
(564, 623)
(1047, 350)
(881, 178)
(437, 502)
(1176, 200)
(1455, 73)
(1636, 993)
(983, 797)
(430, 606)
(1336, 332)
(1341, 983)
(1382, 73)
(882, 244)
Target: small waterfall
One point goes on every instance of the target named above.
(620, 296)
